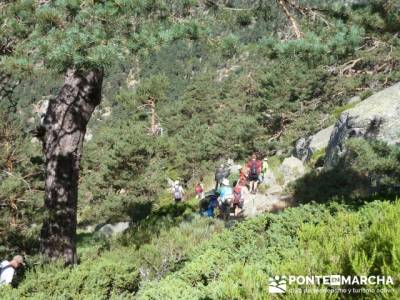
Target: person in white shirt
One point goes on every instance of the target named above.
(7, 269)
(177, 192)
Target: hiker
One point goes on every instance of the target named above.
(203, 206)
(199, 189)
(254, 166)
(221, 173)
(264, 169)
(243, 175)
(225, 198)
(208, 204)
(212, 205)
(177, 192)
(7, 269)
(238, 199)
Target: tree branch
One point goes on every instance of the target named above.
(283, 4)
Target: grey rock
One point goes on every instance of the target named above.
(89, 229)
(320, 140)
(110, 230)
(275, 190)
(256, 204)
(302, 148)
(306, 146)
(354, 99)
(269, 178)
(292, 168)
(377, 117)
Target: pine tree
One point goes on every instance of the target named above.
(79, 39)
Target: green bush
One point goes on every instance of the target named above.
(338, 111)
(230, 45)
(206, 260)
(117, 271)
(301, 241)
(377, 160)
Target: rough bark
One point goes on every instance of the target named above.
(64, 130)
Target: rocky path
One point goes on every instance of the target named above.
(259, 203)
(273, 199)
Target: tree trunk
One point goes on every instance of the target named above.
(64, 131)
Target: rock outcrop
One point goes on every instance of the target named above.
(269, 178)
(306, 146)
(377, 117)
(109, 230)
(292, 168)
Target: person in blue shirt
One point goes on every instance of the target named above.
(225, 198)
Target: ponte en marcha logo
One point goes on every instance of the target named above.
(282, 284)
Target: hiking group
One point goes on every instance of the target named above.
(232, 197)
(226, 197)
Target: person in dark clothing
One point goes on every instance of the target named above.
(255, 167)
(208, 204)
(213, 204)
(221, 173)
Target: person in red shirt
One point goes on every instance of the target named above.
(238, 199)
(255, 167)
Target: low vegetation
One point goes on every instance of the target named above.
(198, 258)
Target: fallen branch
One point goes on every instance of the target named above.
(349, 66)
(292, 20)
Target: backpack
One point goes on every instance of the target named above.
(226, 198)
(220, 174)
(177, 192)
(213, 202)
(4, 268)
(198, 189)
(237, 195)
(253, 170)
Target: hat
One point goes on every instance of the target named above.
(176, 182)
(19, 259)
(225, 181)
(265, 158)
